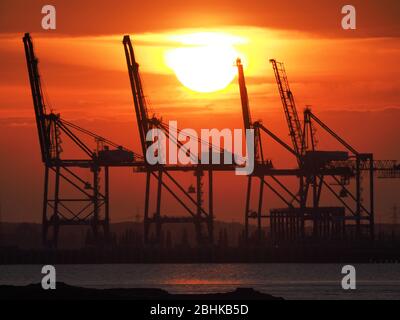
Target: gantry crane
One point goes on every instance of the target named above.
(69, 199)
(315, 164)
(198, 214)
(314, 169)
(263, 167)
(249, 125)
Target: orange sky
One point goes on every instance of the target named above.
(351, 78)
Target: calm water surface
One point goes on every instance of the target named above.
(290, 281)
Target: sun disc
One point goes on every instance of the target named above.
(204, 68)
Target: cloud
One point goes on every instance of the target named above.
(102, 17)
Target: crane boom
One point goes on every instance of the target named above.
(137, 92)
(289, 106)
(37, 96)
(243, 95)
(248, 124)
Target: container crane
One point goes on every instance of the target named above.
(316, 164)
(192, 200)
(263, 168)
(69, 199)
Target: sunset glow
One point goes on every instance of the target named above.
(349, 78)
(199, 159)
(206, 65)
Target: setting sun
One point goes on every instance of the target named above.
(206, 63)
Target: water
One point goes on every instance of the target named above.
(290, 281)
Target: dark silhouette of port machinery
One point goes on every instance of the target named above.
(69, 199)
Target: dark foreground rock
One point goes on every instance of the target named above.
(67, 292)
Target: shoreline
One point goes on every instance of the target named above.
(129, 255)
(64, 291)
